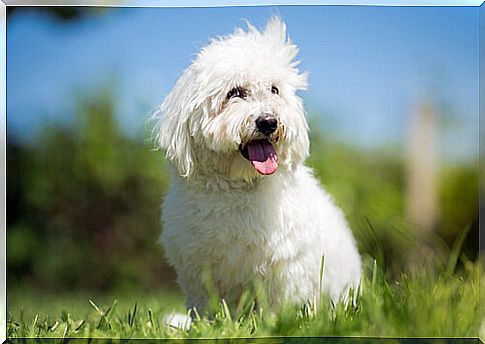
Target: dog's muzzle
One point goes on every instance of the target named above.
(261, 154)
(260, 151)
(266, 124)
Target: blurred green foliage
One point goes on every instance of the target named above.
(370, 186)
(84, 204)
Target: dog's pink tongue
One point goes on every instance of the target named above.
(263, 156)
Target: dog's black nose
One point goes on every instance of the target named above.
(266, 124)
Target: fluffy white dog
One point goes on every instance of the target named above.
(241, 204)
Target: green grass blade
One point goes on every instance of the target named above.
(455, 251)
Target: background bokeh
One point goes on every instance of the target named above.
(392, 104)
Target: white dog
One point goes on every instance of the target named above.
(241, 204)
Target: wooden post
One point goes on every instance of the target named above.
(421, 197)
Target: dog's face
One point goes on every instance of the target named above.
(234, 111)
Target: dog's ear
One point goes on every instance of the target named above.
(299, 149)
(172, 131)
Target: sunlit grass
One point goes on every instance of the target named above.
(428, 303)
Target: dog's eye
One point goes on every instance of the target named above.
(237, 92)
(275, 90)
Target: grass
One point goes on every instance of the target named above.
(428, 303)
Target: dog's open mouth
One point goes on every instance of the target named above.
(262, 156)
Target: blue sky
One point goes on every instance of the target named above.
(368, 66)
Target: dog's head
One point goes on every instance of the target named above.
(234, 111)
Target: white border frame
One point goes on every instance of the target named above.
(140, 3)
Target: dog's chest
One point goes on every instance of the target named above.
(245, 217)
(236, 234)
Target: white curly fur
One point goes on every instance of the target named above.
(220, 214)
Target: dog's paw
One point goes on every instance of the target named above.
(178, 320)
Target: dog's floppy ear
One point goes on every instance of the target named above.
(300, 148)
(172, 131)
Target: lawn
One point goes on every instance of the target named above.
(428, 303)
